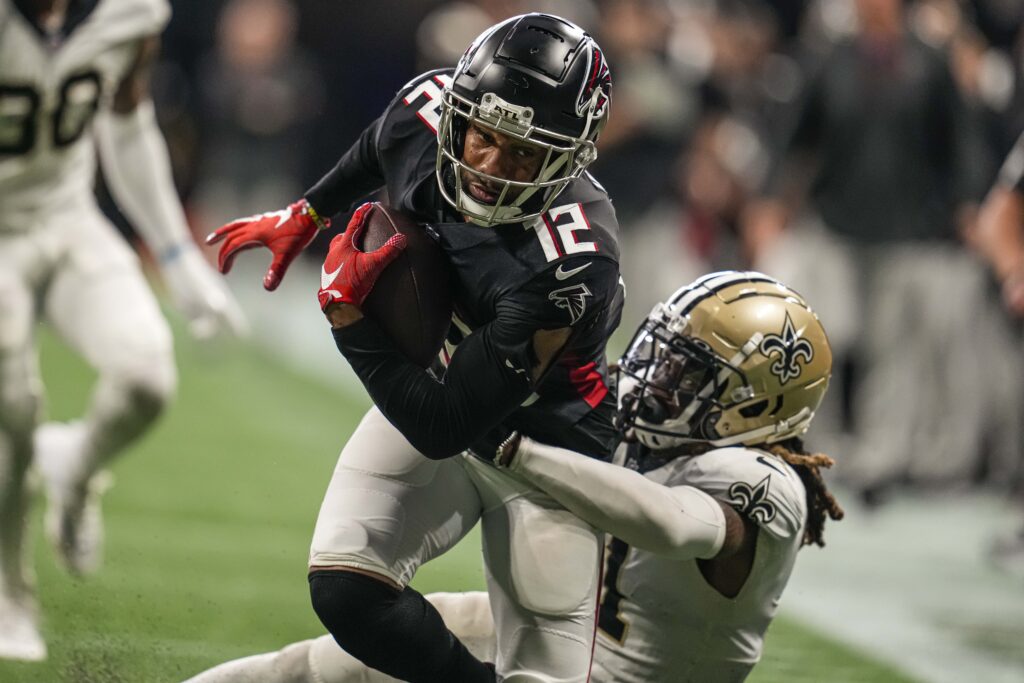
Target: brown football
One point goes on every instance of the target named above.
(412, 299)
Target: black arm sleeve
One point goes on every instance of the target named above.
(441, 419)
(357, 174)
(489, 374)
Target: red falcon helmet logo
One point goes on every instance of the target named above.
(598, 77)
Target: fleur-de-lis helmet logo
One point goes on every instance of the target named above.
(753, 501)
(790, 348)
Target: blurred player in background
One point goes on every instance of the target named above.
(1000, 239)
(717, 388)
(492, 155)
(74, 76)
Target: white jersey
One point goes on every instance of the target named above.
(49, 93)
(659, 619)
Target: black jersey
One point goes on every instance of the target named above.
(557, 271)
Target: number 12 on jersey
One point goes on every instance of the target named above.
(559, 239)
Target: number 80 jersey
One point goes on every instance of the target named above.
(50, 90)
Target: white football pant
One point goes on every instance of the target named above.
(388, 509)
(73, 270)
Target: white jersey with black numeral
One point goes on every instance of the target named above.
(659, 618)
(50, 89)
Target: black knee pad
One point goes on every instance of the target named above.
(352, 606)
(396, 632)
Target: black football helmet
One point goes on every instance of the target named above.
(535, 77)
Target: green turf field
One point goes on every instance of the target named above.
(208, 529)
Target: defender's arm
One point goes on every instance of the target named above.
(680, 522)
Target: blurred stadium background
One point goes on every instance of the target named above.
(209, 523)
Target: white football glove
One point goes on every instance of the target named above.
(202, 296)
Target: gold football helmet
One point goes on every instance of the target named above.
(733, 358)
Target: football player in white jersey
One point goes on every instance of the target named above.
(74, 77)
(716, 496)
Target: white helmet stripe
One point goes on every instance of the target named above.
(698, 285)
(683, 301)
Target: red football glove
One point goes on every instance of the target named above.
(349, 274)
(285, 233)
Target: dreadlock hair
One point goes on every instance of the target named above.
(820, 501)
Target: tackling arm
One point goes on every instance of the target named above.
(680, 522)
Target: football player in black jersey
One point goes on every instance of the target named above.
(492, 156)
